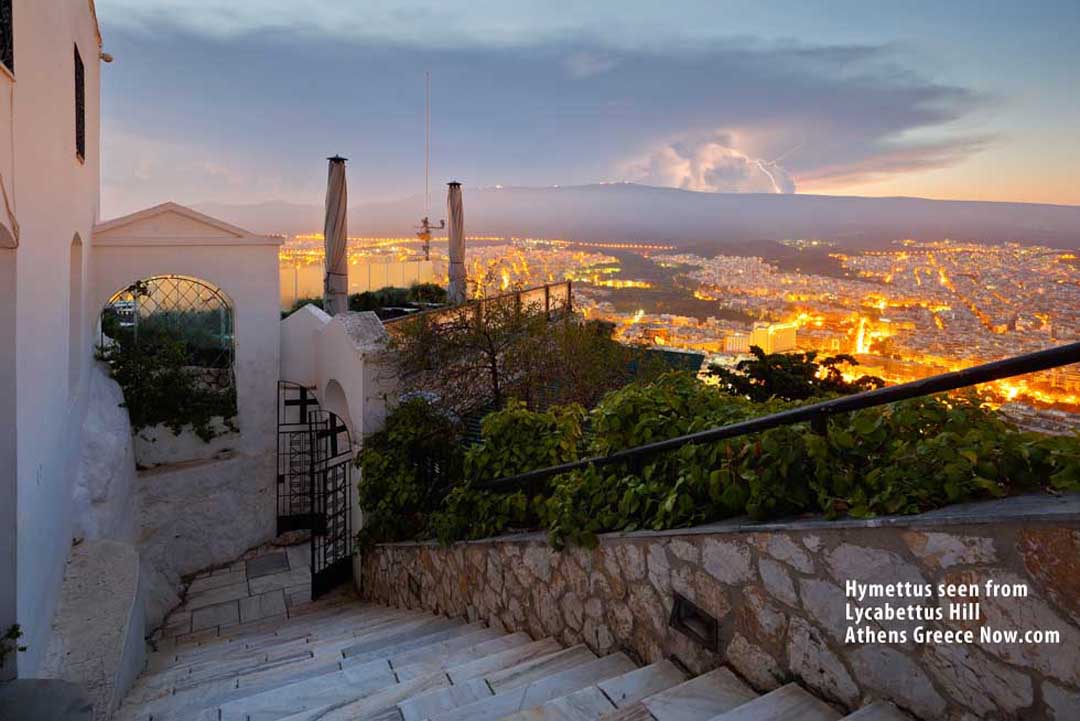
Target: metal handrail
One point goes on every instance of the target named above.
(480, 302)
(955, 380)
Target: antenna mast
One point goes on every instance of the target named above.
(425, 224)
(427, 143)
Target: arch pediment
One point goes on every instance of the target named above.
(174, 224)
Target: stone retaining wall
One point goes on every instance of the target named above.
(779, 593)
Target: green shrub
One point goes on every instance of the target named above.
(513, 440)
(405, 470)
(161, 386)
(906, 457)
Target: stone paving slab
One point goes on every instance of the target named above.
(221, 614)
(267, 565)
(294, 577)
(255, 608)
(207, 583)
(214, 596)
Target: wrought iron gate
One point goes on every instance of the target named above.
(331, 492)
(314, 483)
(295, 405)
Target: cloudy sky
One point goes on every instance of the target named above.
(241, 100)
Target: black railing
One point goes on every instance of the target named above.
(815, 413)
(557, 300)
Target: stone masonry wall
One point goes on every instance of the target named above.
(778, 591)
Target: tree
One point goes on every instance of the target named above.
(482, 354)
(791, 376)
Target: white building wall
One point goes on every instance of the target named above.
(53, 196)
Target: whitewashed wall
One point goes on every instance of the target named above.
(172, 239)
(54, 196)
(348, 352)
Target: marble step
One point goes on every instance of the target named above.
(321, 692)
(379, 706)
(229, 686)
(285, 646)
(601, 700)
(787, 703)
(698, 699)
(540, 690)
(328, 663)
(469, 684)
(400, 635)
(269, 626)
(189, 657)
(878, 711)
(297, 688)
(504, 659)
(454, 632)
(414, 664)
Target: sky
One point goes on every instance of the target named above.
(241, 101)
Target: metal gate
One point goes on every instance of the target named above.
(331, 492)
(295, 406)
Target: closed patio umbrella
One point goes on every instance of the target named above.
(335, 238)
(456, 291)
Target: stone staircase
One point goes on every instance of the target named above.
(340, 659)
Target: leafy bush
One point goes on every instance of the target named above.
(405, 470)
(161, 386)
(514, 440)
(907, 457)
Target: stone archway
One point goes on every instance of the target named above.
(168, 340)
(335, 401)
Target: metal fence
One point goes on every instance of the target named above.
(815, 413)
(555, 299)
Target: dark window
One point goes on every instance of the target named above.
(7, 38)
(80, 105)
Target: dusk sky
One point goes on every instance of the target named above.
(241, 101)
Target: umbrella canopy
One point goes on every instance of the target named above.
(456, 291)
(335, 237)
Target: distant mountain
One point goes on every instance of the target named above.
(693, 221)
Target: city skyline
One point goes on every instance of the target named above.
(240, 104)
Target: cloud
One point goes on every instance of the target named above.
(585, 64)
(253, 116)
(710, 164)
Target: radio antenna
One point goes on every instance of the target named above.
(425, 224)
(427, 143)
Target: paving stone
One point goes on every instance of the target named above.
(294, 577)
(221, 614)
(254, 608)
(214, 596)
(226, 578)
(267, 565)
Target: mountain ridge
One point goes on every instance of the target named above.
(690, 220)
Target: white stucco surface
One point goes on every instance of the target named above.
(104, 489)
(53, 197)
(172, 239)
(98, 638)
(158, 444)
(197, 515)
(346, 352)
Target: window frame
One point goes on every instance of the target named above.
(7, 45)
(80, 106)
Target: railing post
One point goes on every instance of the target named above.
(547, 301)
